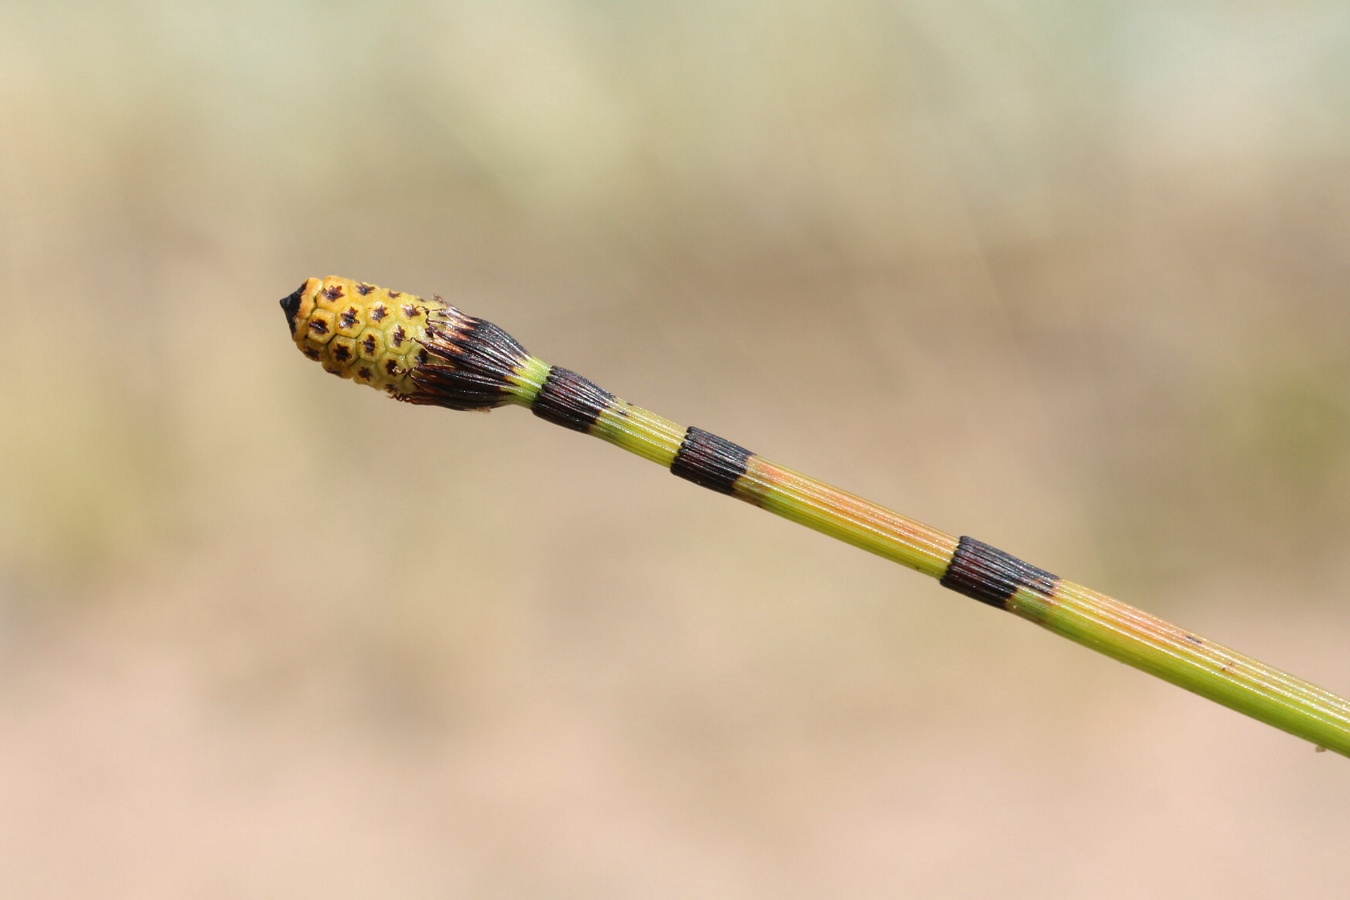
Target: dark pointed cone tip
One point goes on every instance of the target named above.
(291, 305)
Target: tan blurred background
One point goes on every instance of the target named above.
(1070, 277)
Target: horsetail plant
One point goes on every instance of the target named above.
(428, 352)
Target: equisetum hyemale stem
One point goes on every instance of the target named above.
(427, 352)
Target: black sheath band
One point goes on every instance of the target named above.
(570, 400)
(709, 460)
(991, 576)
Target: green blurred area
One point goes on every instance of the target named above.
(1070, 277)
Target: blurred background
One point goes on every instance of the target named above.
(1069, 277)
